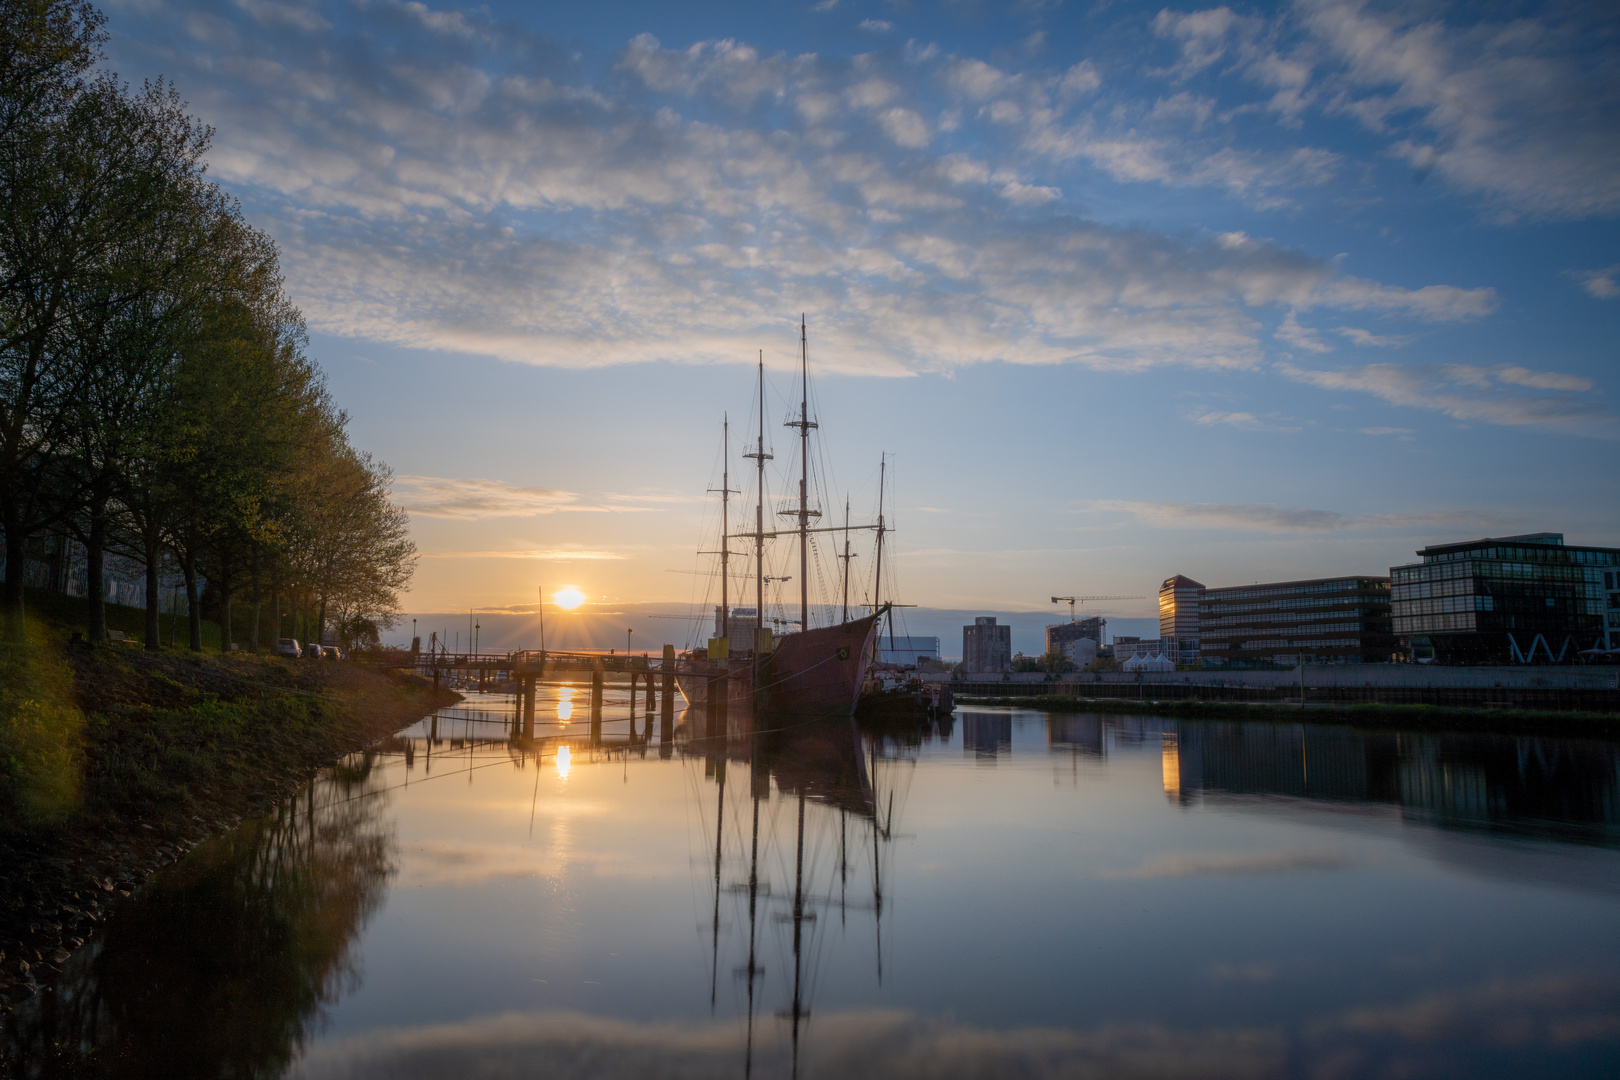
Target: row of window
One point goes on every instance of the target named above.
(1289, 617)
(1227, 634)
(1323, 588)
(1550, 554)
(1442, 605)
(1423, 624)
(1284, 643)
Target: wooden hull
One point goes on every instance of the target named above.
(817, 672)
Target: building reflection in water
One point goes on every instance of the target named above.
(986, 735)
(1512, 785)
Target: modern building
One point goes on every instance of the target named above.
(1178, 617)
(907, 650)
(744, 621)
(1344, 620)
(1143, 654)
(1507, 600)
(986, 647)
(1060, 636)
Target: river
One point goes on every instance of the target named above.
(1006, 893)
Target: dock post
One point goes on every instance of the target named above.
(632, 702)
(714, 690)
(666, 716)
(596, 704)
(530, 684)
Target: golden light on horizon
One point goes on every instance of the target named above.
(564, 762)
(568, 598)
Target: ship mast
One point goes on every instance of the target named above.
(760, 457)
(846, 557)
(804, 424)
(725, 534)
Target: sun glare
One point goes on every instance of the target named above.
(564, 760)
(568, 598)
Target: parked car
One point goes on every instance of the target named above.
(287, 646)
(332, 652)
(312, 651)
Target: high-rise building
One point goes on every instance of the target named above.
(1178, 617)
(1061, 635)
(986, 647)
(1328, 620)
(1511, 599)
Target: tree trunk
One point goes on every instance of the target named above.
(154, 600)
(320, 623)
(16, 545)
(188, 566)
(95, 572)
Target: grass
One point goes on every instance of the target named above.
(1409, 717)
(114, 759)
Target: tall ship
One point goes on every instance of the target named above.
(809, 672)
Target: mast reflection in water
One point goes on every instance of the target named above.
(1005, 893)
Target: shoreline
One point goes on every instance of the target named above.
(170, 749)
(1436, 718)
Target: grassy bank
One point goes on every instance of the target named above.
(115, 761)
(1408, 717)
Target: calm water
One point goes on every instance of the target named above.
(1009, 894)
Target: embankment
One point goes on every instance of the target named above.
(114, 762)
(1602, 725)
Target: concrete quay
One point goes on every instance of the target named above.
(1594, 688)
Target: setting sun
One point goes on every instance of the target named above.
(568, 598)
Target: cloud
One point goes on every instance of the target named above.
(1538, 1012)
(1265, 518)
(437, 496)
(478, 192)
(1512, 111)
(1247, 421)
(1601, 284)
(1367, 338)
(1228, 863)
(1398, 431)
(1465, 392)
(1299, 336)
(557, 554)
(876, 26)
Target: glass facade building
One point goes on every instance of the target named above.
(1343, 620)
(1507, 600)
(1179, 598)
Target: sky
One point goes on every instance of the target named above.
(1121, 291)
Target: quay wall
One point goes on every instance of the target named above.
(1587, 688)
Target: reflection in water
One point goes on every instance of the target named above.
(221, 964)
(1527, 786)
(799, 920)
(985, 735)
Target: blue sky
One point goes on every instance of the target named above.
(1126, 290)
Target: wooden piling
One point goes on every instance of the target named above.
(666, 717)
(596, 704)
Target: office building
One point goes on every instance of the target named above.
(1507, 600)
(1061, 635)
(906, 650)
(1143, 654)
(1343, 620)
(1178, 618)
(742, 624)
(986, 647)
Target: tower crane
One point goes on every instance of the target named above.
(1073, 600)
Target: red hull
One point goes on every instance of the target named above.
(818, 672)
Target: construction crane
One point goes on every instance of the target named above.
(1073, 600)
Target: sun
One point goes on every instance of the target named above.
(568, 598)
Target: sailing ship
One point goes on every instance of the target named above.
(810, 672)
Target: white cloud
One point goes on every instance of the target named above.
(1370, 339)
(1477, 394)
(1601, 284)
(553, 554)
(876, 26)
(1265, 518)
(1302, 337)
(1247, 421)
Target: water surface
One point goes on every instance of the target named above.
(1008, 893)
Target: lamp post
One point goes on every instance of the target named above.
(628, 632)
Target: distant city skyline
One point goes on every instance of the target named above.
(1248, 294)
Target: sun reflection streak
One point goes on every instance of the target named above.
(564, 762)
(565, 704)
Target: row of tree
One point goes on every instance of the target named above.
(156, 398)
